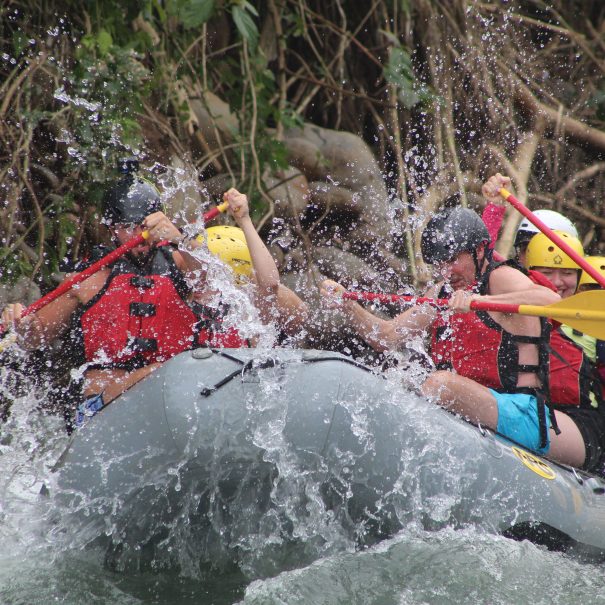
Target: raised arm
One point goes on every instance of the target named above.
(493, 213)
(265, 269)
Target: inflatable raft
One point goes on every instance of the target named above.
(267, 460)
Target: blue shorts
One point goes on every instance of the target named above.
(518, 420)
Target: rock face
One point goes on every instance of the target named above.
(332, 196)
(24, 291)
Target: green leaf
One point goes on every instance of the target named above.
(19, 43)
(104, 41)
(247, 6)
(194, 13)
(87, 41)
(245, 25)
(400, 73)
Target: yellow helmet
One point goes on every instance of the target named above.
(229, 244)
(541, 252)
(598, 263)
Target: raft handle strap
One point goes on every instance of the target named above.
(248, 366)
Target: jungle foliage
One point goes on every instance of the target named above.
(445, 91)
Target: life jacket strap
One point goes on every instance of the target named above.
(143, 345)
(142, 281)
(141, 309)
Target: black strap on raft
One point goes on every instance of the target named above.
(249, 365)
(270, 363)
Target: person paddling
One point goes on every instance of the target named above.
(491, 368)
(128, 318)
(563, 272)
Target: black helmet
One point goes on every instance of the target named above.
(131, 199)
(451, 231)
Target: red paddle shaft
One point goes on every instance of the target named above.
(440, 303)
(553, 237)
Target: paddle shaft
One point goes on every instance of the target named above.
(480, 305)
(80, 277)
(553, 237)
(438, 303)
(103, 262)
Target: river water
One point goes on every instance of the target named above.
(44, 559)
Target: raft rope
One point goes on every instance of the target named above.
(263, 365)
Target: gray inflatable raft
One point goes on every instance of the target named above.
(270, 459)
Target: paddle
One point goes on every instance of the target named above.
(103, 262)
(584, 312)
(553, 237)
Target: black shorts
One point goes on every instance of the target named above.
(591, 424)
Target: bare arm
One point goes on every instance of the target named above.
(45, 325)
(292, 311)
(508, 285)
(265, 269)
(380, 334)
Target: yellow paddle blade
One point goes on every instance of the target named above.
(584, 312)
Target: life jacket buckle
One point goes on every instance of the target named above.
(141, 309)
(142, 281)
(143, 345)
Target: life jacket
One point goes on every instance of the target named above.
(601, 360)
(477, 347)
(572, 376)
(141, 316)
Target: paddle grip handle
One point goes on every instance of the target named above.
(213, 212)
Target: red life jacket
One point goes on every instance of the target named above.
(572, 376)
(477, 347)
(141, 317)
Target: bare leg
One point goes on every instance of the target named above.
(114, 382)
(464, 396)
(476, 404)
(568, 447)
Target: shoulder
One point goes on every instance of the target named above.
(505, 276)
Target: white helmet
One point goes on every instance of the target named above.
(553, 220)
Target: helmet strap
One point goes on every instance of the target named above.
(487, 257)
